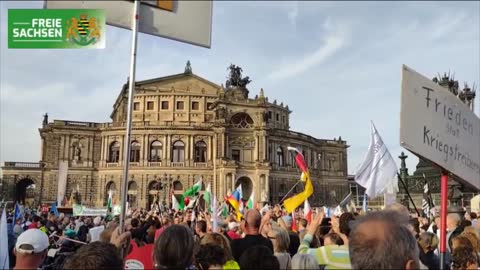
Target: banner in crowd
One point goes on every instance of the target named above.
(80, 210)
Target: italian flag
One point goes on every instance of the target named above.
(191, 192)
(207, 196)
(251, 201)
(307, 211)
(176, 205)
(109, 202)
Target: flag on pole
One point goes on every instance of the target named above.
(109, 202)
(207, 196)
(214, 210)
(378, 171)
(427, 201)
(4, 258)
(251, 201)
(307, 211)
(294, 222)
(235, 200)
(176, 205)
(293, 202)
(192, 192)
(18, 213)
(54, 209)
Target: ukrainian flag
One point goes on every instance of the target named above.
(235, 200)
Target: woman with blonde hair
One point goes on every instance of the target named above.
(281, 240)
(221, 241)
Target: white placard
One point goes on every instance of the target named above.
(438, 126)
(190, 21)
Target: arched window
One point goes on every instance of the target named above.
(241, 120)
(109, 188)
(280, 156)
(114, 153)
(178, 151)
(201, 152)
(177, 186)
(135, 151)
(156, 148)
(132, 194)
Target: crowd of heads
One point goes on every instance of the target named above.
(392, 238)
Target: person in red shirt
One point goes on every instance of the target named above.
(233, 230)
(166, 221)
(35, 223)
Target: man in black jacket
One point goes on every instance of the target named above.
(83, 231)
(251, 226)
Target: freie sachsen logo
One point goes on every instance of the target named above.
(56, 28)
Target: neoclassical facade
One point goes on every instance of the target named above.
(184, 127)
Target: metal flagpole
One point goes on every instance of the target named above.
(443, 217)
(131, 85)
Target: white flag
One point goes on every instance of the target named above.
(214, 210)
(378, 171)
(4, 259)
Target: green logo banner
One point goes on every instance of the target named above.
(56, 28)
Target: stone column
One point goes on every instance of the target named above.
(164, 150)
(210, 148)
(169, 142)
(257, 148)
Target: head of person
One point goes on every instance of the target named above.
(31, 249)
(414, 226)
(201, 227)
(302, 224)
(382, 240)
(36, 219)
(473, 238)
(464, 258)
(428, 241)
(332, 239)
(345, 221)
(288, 221)
(258, 257)
(251, 222)
(280, 239)
(399, 208)
(135, 223)
(96, 255)
(233, 226)
(453, 221)
(18, 221)
(210, 256)
(461, 241)
(174, 248)
(218, 240)
(304, 261)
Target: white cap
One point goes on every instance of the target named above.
(232, 225)
(35, 238)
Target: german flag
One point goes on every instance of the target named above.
(83, 25)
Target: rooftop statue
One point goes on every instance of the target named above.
(235, 77)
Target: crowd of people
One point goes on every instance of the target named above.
(268, 238)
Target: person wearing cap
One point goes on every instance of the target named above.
(31, 249)
(294, 240)
(232, 230)
(94, 233)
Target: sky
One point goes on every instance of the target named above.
(336, 64)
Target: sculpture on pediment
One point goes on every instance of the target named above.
(221, 113)
(235, 77)
(188, 68)
(45, 119)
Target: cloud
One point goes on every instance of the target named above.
(332, 44)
